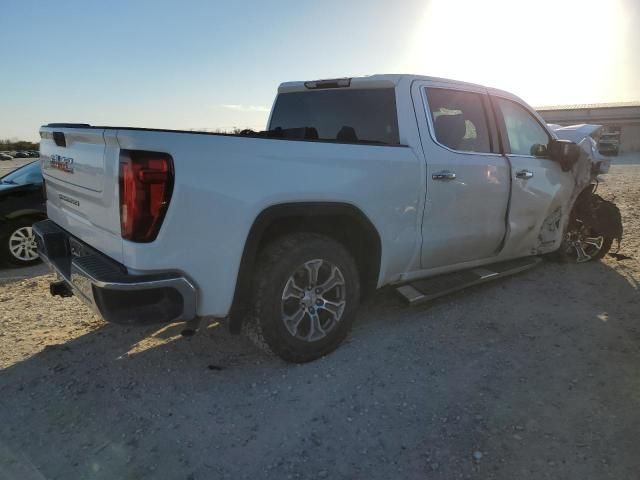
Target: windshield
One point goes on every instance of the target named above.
(28, 174)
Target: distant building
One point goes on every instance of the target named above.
(622, 118)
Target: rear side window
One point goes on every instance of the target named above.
(343, 115)
(459, 120)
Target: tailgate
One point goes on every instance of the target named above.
(80, 167)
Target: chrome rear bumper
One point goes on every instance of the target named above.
(108, 288)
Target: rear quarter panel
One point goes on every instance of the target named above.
(223, 183)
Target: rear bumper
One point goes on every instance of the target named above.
(108, 288)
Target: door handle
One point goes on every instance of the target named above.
(524, 174)
(444, 175)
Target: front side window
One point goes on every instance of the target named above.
(523, 131)
(342, 115)
(459, 120)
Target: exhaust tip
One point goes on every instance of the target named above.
(191, 327)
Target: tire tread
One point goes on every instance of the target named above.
(270, 256)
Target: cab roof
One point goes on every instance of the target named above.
(381, 81)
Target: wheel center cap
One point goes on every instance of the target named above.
(309, 298)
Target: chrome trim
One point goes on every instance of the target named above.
(524, 174)
(521, 155)
(82, 283)
(444, 175)
(185, 287)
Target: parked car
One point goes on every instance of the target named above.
(21, 204)
(609, 144)
(33, 153)
(358, 183)
(21, 155)
(5, 156)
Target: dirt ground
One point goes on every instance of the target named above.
(532, 377)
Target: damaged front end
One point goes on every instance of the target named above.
(584, 136)
(593, 222)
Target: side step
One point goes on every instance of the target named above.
(421, 291)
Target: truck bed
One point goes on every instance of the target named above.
(222, 183)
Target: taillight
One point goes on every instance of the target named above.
(146, 184)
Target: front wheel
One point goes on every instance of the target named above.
(594, 224)
(582, 244)
(305, 296)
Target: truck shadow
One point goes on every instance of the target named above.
(118, 400)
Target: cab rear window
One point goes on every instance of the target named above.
(366, 116)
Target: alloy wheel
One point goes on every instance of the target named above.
(22, 244)
(313, 300)
(582, 244)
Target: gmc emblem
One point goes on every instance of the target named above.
(61, 163)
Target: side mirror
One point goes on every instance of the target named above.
(565, 152)
(539, 150)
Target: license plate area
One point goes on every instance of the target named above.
(78, 249)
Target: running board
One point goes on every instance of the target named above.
(421, 291)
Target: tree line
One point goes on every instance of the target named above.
(18, 145)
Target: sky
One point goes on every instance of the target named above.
(208, 65)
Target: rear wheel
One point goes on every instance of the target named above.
(18, 243)
(305, 296)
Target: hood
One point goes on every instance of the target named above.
(583, 135)
(575, 133)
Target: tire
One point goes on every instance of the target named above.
(17, 245)
(593, 245)
(594, 224)
(568, 254)
(286, 318)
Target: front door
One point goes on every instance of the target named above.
(540, 190)
(467, 178)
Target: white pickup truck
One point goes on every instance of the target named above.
(358, 183)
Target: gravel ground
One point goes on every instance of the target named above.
(532, 377)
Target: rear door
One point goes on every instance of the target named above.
(540, 190)
(80, 168)
(467, 177)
